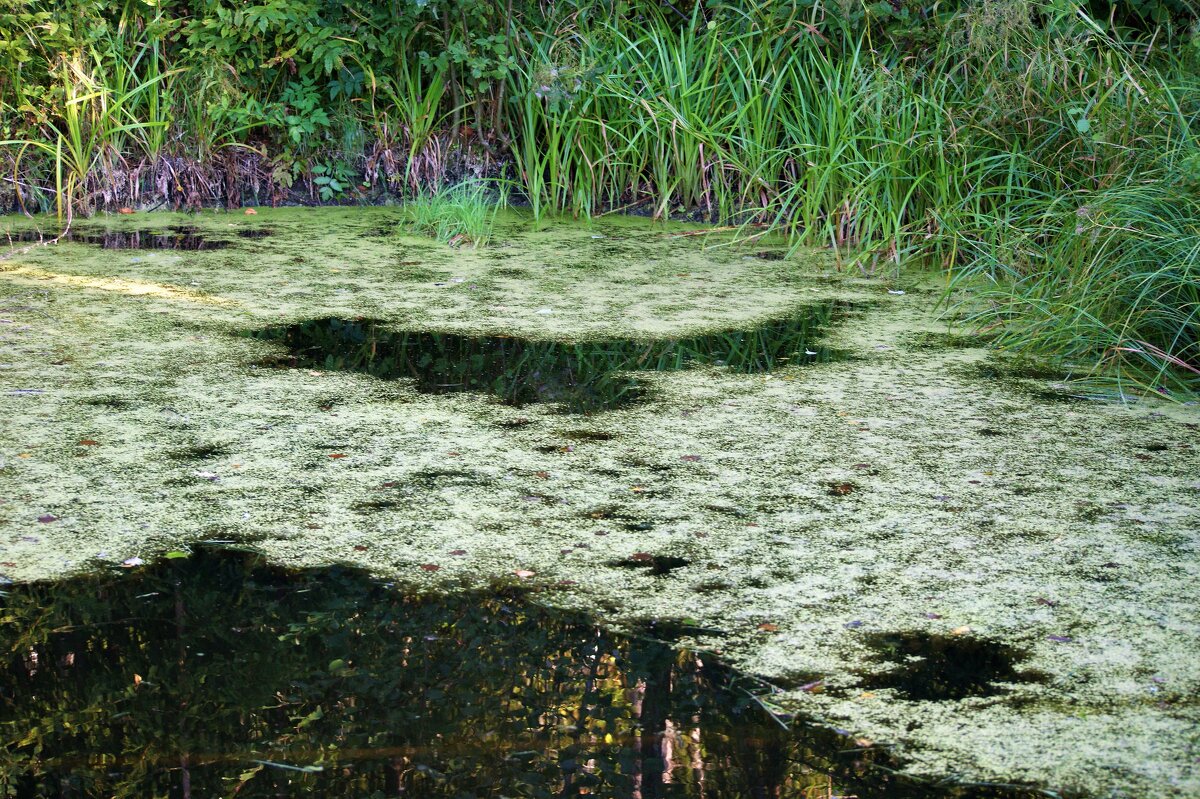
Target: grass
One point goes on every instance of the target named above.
(461, 216)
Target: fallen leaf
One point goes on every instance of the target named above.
(250, 212)
(966, 628)
(641, 557)
(8, 564)
(360, 548)
(638, 489)
(767, 627)
(24, 455)
(430, 567)
(338, 455)
(1047, 602)
(125, 211)
(867, 695)
(542, 475)
(458, 552)
(87, 442)
(841, 489)
(523, 573)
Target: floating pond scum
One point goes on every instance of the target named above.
(582, 376)
(213, 674)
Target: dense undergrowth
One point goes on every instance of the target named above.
(1044, 153)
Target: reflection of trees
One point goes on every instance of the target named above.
(174, 680)
(583, 376)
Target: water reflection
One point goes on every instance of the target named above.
(214, 675)
(582, 377)
(178, 237)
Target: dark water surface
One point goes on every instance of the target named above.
(214, 675)
(176, 237)
(580, 376)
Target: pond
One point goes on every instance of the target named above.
(211, 673)
(613, 469)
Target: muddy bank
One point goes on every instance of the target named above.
(798, 519)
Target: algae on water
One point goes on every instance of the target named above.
(800, 515)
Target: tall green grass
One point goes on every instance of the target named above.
(461, 216)
(1029, 153)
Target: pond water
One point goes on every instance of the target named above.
(582, 376)
(792, 465)
(175, 237)
(210, 673)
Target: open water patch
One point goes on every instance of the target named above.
(179, 237)
(581, 377)
(934, 667)
(211, 673)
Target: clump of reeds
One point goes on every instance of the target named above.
(461, 216)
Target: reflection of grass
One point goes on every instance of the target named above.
(459, 215)
(583, 376)
(432, 677)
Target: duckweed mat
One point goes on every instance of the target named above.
(833, 527)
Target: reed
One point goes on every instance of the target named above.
(461, 216)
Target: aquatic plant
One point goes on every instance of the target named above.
(462, 215)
